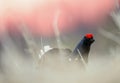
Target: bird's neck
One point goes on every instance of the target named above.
(83, 48)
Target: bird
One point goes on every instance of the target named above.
(83, 47)
(81, 51)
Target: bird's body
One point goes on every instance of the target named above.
(80, 51)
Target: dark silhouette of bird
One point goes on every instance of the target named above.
(81, 51)
(83, 48)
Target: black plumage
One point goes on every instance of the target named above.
(83, 47)
(81, 50)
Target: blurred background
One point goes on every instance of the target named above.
(26, 26)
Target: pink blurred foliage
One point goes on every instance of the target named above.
(39, 15)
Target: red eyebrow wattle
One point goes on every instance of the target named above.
(89, 35)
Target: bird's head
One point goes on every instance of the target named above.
(89, 38)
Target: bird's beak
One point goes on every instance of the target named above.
(92, 40)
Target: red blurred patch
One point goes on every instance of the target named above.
(89, 35)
